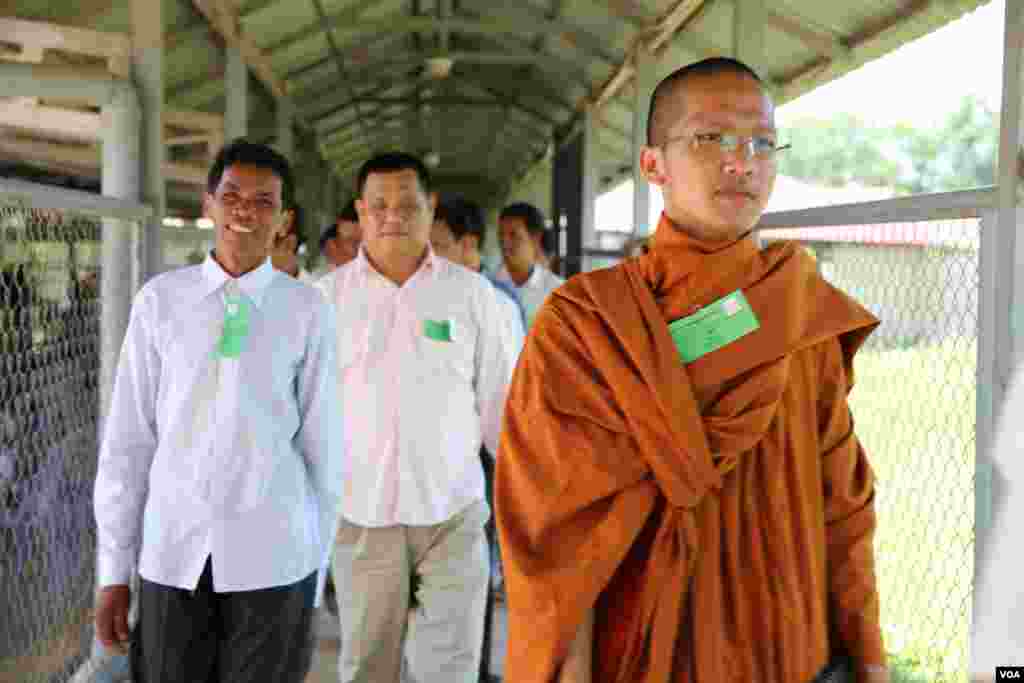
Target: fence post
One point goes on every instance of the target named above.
(1000, 343)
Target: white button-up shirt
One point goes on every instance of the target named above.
(417, 408)
(238, 459)
(535, 290)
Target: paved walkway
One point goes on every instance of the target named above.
(325, 659)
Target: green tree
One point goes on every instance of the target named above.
(959, 154)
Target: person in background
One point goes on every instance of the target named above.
(521, 228)
(339, 244)
(220, 470)
(288, 246)
(425, 358)
(458, 235)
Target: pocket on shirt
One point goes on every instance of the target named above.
(446, 358)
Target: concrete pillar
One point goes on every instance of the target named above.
(999, 478)
(120, 179)
(644, 83)
(147, 73)
(285, 130)
(588, 184)
(236, 93)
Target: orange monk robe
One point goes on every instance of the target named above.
(718, 516)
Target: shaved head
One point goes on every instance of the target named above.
(666, 101)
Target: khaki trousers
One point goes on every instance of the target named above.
(439, 630)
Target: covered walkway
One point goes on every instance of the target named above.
(111, 112)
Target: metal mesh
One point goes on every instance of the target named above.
(185, 246)
(49, 399)
(914, 405)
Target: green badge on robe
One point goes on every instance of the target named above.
(236, 327)
(438, 330)
(714, 326)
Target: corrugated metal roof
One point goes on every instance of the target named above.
(521, 73)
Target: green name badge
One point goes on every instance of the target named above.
(438, 330)
(236, 327)
(714, 326)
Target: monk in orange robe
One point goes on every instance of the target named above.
(680, 494)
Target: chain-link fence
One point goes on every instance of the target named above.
(914, 406)
(50, 317)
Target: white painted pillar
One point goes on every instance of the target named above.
(148, 74)
(588, 185)
(236, 93)
(644, 84)
(997, 625)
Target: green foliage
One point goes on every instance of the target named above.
(959, 154)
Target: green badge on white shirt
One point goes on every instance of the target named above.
(236, 327)
(438, 330)
(713, 327)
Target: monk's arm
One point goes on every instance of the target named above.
(849, 488)
(578, 665)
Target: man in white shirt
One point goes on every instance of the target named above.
(425, 360)
(220, 468)
(520, 227)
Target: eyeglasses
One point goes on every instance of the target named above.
(719, 144)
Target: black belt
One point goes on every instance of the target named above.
(839, 670)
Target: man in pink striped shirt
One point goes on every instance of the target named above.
(425, 359)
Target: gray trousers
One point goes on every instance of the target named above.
(438, 631)
(205, 637)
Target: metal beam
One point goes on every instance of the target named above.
(490, 25)
(338, 59)
(330, 138)
(670, 23)
(222, 20)
(446, 100)
(818, 38)
(346, 17)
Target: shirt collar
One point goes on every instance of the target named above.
(430, 263)
(253, 284)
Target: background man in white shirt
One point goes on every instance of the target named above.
(220, 468)
(425, 360)
(340, 242)
(520, 229)
(284, 252)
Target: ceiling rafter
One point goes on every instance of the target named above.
(441, 100)
(815, 37)
(329, 138)
(338, 59)
(346, 17)
(227, 24)
(486, 25)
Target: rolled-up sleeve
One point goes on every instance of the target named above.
(319, 438)
(129, 443)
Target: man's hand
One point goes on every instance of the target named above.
(874, 674)
(112, 604)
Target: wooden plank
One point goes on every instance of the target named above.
(197, 120)
(53, 122)
(78, 158)
(46, 36)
